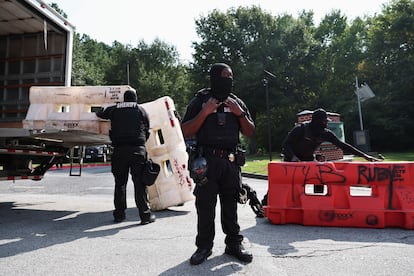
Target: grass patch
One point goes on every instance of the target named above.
(398, 156)
(257, 164)
(256, 167)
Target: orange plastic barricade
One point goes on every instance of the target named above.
(344, 194)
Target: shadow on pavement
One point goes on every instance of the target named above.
(217, 265)
(23, 229)
(281, 238)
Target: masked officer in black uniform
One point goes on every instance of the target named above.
(304, 139)
(129, 132)
(215, 117)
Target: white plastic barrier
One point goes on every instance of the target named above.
(70, 109)
(166, 146)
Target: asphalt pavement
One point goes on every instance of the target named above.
(62, 225)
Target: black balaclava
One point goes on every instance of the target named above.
(130, 96)
(220, 87)
(319, 120)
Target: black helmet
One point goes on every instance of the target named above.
(150, 172)
(199, 170)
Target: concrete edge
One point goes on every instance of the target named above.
(256, 176)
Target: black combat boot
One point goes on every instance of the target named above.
(239, 252)
(200, 256)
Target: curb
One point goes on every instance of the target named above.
(83, 166)
(255, 176)
(249, 175)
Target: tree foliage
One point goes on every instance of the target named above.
(316, 66)
(153, 70)
(254, 42)
(90, 60)
(389, 67)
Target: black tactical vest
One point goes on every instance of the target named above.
(128, 126)
(220, 129)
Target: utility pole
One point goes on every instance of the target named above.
(269, 134)
(128, 72)
(359, 103)
(265, 84)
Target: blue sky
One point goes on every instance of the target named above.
(129, 21)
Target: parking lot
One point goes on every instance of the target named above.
(62, 225)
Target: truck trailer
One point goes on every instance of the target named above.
(35, 50)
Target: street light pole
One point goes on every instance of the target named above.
(265, 84)
(128, 72)
(359, 103)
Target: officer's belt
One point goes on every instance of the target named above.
(221, 153)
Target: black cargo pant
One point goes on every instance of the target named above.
(125, 160)
(224, 179)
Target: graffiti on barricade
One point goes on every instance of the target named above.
(183, 180)
(324, 174)
(377, 174)
(330, 215)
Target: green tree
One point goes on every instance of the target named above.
(341, 47)
(154, 71)
(389, 70)
(252, 41)
(121, 58)
(59, 10)
(90, 61)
